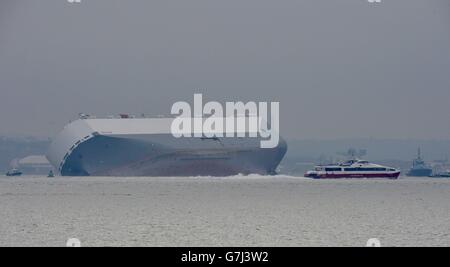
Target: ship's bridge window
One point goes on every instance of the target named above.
(375, 169)
(348, 163)
(365, 169)
(333, 169)
(363, 162)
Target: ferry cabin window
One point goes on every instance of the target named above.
(333, 169)
(365, 169)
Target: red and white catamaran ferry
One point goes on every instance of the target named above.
(353, 169)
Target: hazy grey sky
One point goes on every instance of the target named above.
(340, 68)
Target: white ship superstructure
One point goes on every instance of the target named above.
(353, 169)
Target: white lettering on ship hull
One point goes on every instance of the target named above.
(240, 120)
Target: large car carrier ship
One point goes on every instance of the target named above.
(129, 146)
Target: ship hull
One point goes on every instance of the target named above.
(82, 149)
(420, 173)
(166, 156)
(14, 174)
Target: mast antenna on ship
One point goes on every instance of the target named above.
(83, 116)
(353, 154)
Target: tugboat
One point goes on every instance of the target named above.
(14, 172)
(419, 167)
(353, 168)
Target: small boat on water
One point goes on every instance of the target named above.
(353, 169)
(441, 175)
(419, 167)
(14, 172)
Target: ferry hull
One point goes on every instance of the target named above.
(355, 176)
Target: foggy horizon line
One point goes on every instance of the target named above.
(292, 139)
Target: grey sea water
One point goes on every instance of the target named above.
(229, 211)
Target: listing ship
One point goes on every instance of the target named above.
(128, 146)
(419, 167)
(353, 169)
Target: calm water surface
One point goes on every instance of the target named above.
(229, 211)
